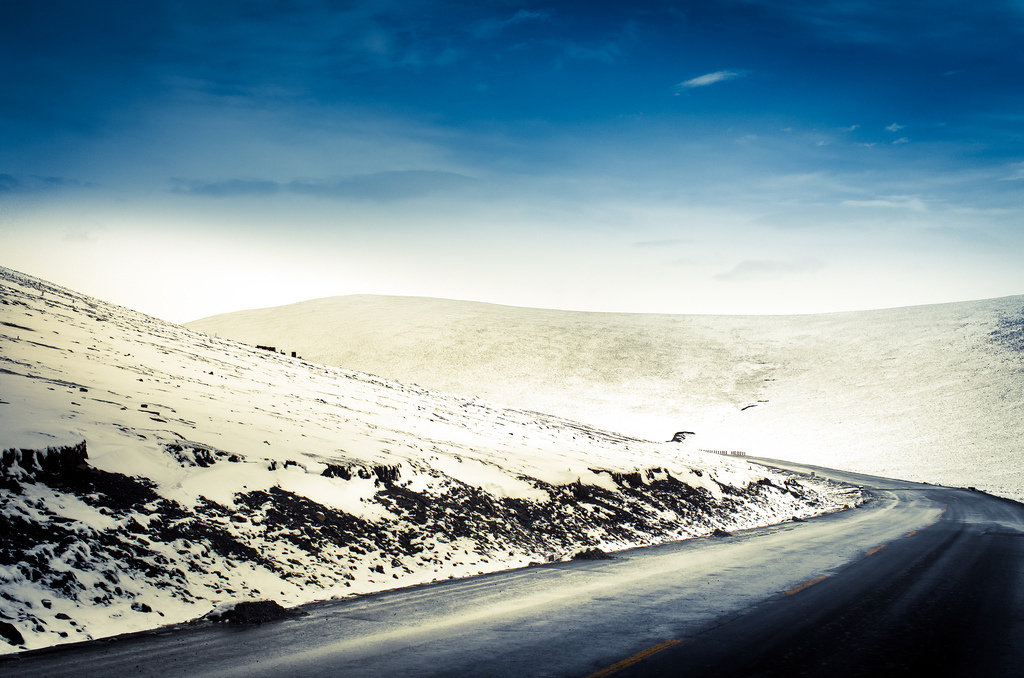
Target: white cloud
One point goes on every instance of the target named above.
(492, 26)
(902, 140)
(900, 202)
(708, 79)
(895, 127)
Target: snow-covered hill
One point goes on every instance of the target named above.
(151, 473)
(929, 393)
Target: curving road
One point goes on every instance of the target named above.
(921, 580)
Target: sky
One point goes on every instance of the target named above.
(722, 156)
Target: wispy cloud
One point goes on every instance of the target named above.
(608, 52)
(231, 188)
(708, 79)
(901, 140)
(753, 269)
(1016, 173)
(492, 26)
(385, 186)
(895, 127)
(379, 186)
(893, 202)
(10, 183)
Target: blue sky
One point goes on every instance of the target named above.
(738, 156)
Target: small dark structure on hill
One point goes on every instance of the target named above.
(727, 453)
(273, 349)
(680, 436)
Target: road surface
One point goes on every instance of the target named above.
(922, 579)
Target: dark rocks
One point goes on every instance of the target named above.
(255, 612)
(628, 480)
(384, 474)
(197, 454)
(680, 436)
(11, 634)
(592, 554)
(54, 464)
(333, 471)
(387, 474)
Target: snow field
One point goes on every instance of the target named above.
(928, 393)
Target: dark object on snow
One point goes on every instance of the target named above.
(58, 464)
(256, 612)
(719, 532)
(11, 634)
(798, 519)
(592, 554)
(680, 436)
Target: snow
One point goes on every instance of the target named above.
(927, 393)
(219, 472)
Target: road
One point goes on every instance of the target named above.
(920, 579)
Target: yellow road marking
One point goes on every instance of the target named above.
(874, 551)
(910, 534)
(639, 656)
(801, 587)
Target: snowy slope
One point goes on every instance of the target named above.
(930, 393)
(151, 473)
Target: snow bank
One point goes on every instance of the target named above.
(151, 474)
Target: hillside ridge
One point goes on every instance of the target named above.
(929, 393)
(151, 474)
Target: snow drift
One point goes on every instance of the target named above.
(927, 393)
(150, 474)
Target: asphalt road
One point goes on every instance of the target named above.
(944, 600)
(921, 580)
